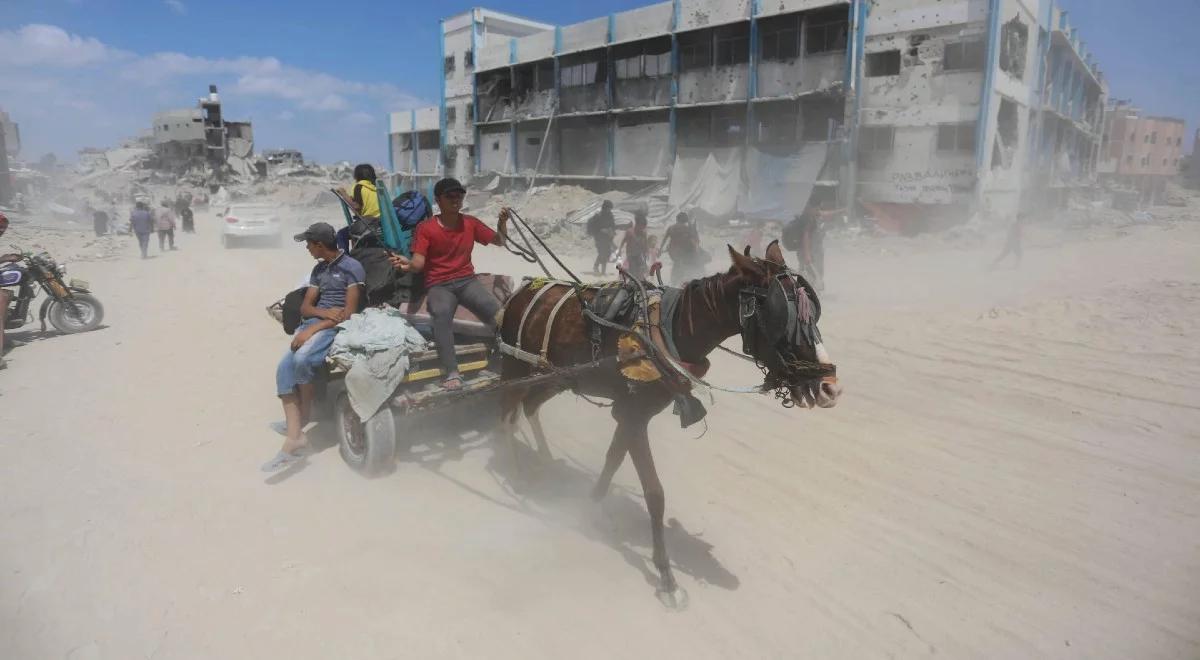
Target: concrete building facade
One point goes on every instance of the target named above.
(1142, 152)
(182, 138)
(428, 143)
(908, 109)
(972, 105)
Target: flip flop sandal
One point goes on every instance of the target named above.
(282, 460)
(452, 384)
(280, 427)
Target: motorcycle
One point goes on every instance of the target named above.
(69, 306)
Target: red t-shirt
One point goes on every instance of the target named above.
(448, 252)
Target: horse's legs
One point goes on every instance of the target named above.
(532, 403)
(612, 461)
(656, 502)
(510, 404)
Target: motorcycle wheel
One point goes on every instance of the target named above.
(81, 314)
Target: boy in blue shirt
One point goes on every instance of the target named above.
(334, 291)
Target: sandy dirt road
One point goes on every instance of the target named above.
(1013, 472)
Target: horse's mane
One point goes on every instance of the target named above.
(709, 291)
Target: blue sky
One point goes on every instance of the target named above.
(322, 78)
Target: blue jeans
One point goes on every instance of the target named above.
(301, 367)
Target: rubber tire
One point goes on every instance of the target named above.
(379, 457)
(57, 314)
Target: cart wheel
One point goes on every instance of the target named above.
(369, 448)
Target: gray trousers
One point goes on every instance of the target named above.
(443, 302)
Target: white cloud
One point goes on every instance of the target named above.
(176, 6)
(360, 118)
(39, 45)
(54, 80)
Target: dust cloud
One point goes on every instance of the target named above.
(1010, 470)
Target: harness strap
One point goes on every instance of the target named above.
(668, 306)
(550, 321)
(523, 356)
(529, 308)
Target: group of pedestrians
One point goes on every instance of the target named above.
(641, 250)
(144, 222)
(805, 235)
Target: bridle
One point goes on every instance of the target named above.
(777, 317)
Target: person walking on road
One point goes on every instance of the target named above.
(164, 222)
(141, 222)
(99, 222)
(636, 247)
(183, 205)
(602, 227)
(1013, 243)
(682, 244)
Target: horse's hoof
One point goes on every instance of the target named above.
(675, 600)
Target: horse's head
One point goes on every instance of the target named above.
(778, 311)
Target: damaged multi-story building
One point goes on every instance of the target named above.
(973, 105)
(192, 137)
(1141, 152)
(909, 111)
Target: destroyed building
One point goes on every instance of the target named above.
(192, 137)
(10, 134)
(426, 143)
(1141, 152)
(906, 110)
(986, 104)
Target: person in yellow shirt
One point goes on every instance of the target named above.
(366, 200)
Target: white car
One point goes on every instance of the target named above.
(251, 222)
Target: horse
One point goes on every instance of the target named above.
(774, 309)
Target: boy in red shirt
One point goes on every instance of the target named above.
(442, 250)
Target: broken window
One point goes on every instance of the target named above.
(886, 63)
(876, 139)
(533, 141)
(644, 59)
(471, 151)
(695, 50)
(450, 115)
(1154, 137)
(544, 73)
(1014, 40)
(449, 64)
(1129, 160)
(821, 116)
(827, 32)
(471, 112)
(657, 64)
(729, 126)
(1146, 139)
(469, 59)
(1133, 136)
(733, 44)
(777, 123)
(629, 67)
(956, 137)
(964, 56)
(581, 71)
(780, 38)
(429, 140)
(694, 126)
